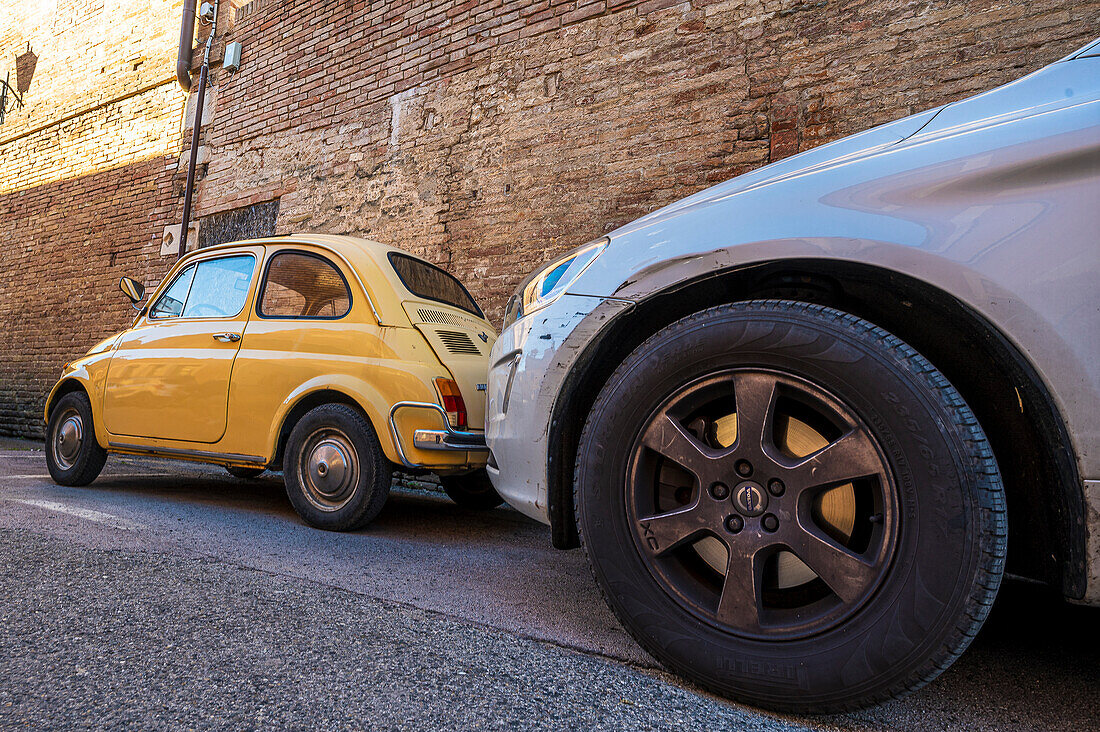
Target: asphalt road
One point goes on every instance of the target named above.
(171, 595)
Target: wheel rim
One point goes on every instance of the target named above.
(328, 469)
(761, 503)
(68, 437)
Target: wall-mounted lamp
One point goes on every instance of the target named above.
(24, 71)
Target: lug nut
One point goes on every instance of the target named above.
(776, 487)
(719, 491)
(769, 522)
(734, 523)
(743, 468)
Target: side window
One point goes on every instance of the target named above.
(210, 289)
(170, 304)
(220, 287)
(303, 286)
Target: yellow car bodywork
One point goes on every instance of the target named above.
(170, 387)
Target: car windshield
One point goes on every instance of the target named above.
(428, 281)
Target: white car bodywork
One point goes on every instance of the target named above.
(994, 201)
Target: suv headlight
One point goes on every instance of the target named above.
(549, 283)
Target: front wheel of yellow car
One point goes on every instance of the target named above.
(72, 454)
(337, 476)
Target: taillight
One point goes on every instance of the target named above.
(452, 402)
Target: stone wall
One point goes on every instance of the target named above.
(485, 136)
(87, 182)
(490, 136)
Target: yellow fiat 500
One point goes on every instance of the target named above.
(332, 357)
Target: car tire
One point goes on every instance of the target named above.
(73, 456)
(336, 475)
(472, 490)
(839, 546)
(244, 473)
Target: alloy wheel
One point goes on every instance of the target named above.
(762, 503)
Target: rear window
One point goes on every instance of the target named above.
(431, 283)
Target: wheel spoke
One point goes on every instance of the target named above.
(672, 440)
(754, 395)
(847, 574)
(767, 498)
(739, 604)
(664, 532)
(850, 457)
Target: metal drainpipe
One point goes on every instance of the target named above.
(187, 38)
(204, 72)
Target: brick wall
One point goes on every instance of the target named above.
(88, 181)
(490, 136)
(485, 136)
(64, 246)
(85, 57)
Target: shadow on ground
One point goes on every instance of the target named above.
(1033, 666)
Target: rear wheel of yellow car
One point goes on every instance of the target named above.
(472, 490)
(73, 456)
(337, 476)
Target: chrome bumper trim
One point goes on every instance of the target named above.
(444, 440)
(447, 439)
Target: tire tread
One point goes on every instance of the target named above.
(368, 510)
(90, 463)
(993, 537)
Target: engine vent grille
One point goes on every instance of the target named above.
(457, 342)
(438, 316)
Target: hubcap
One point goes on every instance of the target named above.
(328, 469)
(67, 438)
(786, 553)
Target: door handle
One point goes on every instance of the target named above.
(227, 337)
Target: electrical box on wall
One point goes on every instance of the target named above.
(232, 59)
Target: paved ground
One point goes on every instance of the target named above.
(167, 594)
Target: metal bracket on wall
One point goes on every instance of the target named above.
(4, 91)
(24, 72)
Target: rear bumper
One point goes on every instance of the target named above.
(447, 439)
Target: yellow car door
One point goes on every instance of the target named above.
(304, 328)
(169, 376)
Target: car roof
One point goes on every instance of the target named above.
(352, 248)
(368, 259)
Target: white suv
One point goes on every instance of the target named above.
(801, 419)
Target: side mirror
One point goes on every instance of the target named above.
(132, 289)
